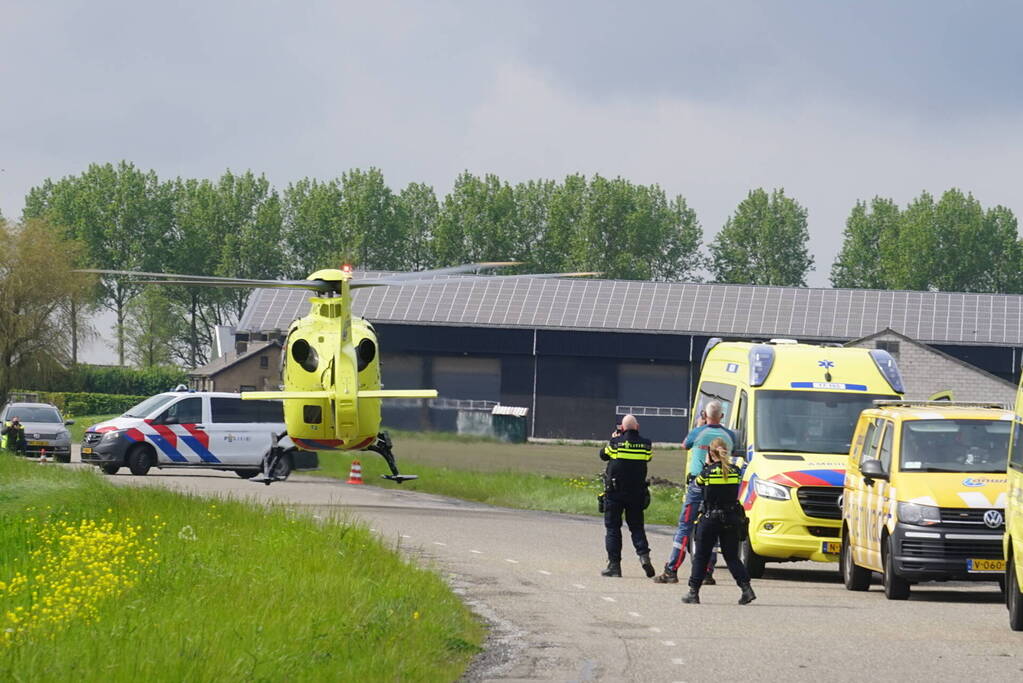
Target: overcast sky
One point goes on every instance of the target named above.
(709, 99)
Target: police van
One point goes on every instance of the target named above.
(212, 430)
(925, 495)
(793, 408)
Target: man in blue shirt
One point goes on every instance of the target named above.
(708, 427)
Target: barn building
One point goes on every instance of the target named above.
(579, 353)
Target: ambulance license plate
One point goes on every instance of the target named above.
(985, 565)
(831, 547)
(38, 443)
(86, 451)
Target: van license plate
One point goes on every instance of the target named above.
(985, 565)
(831, 547)
(38, 443)
(86, 451)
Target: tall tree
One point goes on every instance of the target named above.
(372, 221)
(860, 264)
(418, 207)
(565, 214)
(477, 222)
(36, 275)
(122, 215)
(533, 226)
(634, 232)
(764, 242)
(152, 328)
(1006, 271)
(313, 224)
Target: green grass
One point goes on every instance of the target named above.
(522, 490)
(237, 592)
(84, 422)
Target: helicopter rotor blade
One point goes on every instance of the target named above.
(212, 281)
(316, 286)
(382, 282)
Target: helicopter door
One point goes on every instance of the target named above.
(239, 430)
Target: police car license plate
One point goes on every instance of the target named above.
(37, 443)
(86, 451)
(831, 547)
(985, 565)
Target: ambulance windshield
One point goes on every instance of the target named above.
(955, 445)
(808, 421)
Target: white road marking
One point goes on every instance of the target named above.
(634, 614)
(476, 552)
(372, 529)
(654, 629)
(578, 585)
(508, 559)
(668, 643)
(678, 660)
(544, 572)
(439, 543)
(405, 536)
(608, 598)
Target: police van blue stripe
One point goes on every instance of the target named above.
(173, 453)
(196, 446)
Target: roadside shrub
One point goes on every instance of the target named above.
(102, 379)
(78, 403)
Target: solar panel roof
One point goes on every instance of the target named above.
(668, 308)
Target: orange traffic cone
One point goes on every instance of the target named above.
(42, 456)
(355, 474)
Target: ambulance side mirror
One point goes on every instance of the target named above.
(872, 469)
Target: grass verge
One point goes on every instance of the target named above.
(576, 495)
(109, 583)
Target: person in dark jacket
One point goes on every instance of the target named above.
(722, 520)
(625, 488)
(14, 436)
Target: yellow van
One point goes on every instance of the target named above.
(793, 408)
(1012, 543)
(924, 495)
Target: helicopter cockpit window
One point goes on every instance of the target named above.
(365, 353)
(305, 355)
(312, 414)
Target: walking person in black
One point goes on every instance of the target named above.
(722, 520)
(627, 454)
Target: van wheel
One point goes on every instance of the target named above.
(1013, 597)
(754, 563)
(110, 469)
(140, 460)
(855, 577)
(895, 587)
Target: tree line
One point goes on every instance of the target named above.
(240, 226)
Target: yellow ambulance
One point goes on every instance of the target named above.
(793, 408)
(1012, 543)
(924, 495)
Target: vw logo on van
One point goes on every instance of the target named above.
(993, 519)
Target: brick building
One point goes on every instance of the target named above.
(928, 372)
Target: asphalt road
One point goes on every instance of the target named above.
(535, 578)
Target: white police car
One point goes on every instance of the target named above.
(212, 430)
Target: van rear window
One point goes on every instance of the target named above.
(235, 410)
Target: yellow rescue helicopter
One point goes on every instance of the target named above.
(331, 360)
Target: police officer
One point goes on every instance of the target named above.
(708, 427)
(625, 489)
(14, 436)
(722, 520)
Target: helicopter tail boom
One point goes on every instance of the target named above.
(311, 395)
(399, 393)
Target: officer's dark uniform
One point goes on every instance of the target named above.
(14, 437)
(722, 520)
(626, 492)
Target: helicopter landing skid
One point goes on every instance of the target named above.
(383, 446)
(271, 463)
